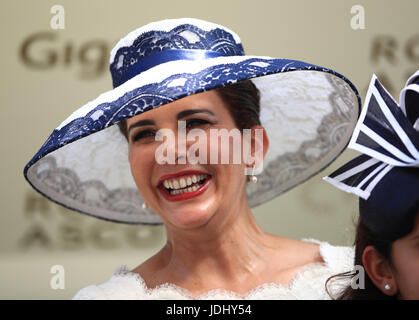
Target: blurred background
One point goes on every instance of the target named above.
(48, 73)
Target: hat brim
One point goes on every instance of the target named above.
(309, 113)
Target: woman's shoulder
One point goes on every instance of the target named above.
(312, 252)
(319, 261)
(122, 285)
(127, 285)
(336, 258)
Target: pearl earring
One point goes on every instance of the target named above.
(387, 287)
(253, 178)
(144, 205)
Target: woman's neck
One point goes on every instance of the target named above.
(224, 249)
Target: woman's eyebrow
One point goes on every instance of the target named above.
(140, 123)
(180, 115)
(186, 113)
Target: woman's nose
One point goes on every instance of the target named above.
(181, 159)
(178, 147)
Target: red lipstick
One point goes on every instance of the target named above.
(187, 195)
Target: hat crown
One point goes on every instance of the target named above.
(147, 42)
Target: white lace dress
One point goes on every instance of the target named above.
(307, 284)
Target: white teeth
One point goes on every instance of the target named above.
(190, 189)
(175, 184)
(184, 183)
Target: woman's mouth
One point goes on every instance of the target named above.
(184, 187)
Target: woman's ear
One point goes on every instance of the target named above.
(379, 270)
(260, 143)
(265, 143)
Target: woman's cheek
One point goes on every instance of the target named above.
(141, 163)
(406, 262)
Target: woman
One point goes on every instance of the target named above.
(386, 178)
(176, 82)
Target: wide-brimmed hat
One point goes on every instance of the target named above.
(308, 111)
(386, 175)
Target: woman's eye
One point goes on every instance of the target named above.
(195, 122)
(150, 133)
(142, 134)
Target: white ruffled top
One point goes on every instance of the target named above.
(307, 284)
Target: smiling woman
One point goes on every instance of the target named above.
(191, 78)
(209, 192)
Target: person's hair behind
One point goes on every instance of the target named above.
(365, 237)
(243, 101)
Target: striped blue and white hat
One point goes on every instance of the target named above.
(386, 175)
(308, 111)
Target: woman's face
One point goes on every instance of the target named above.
(405, 260)
(210, 186)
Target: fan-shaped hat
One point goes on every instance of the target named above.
(308, 111)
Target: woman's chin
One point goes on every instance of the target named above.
(191, 215)
(190, 219)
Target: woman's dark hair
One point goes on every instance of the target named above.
(365, 237)
(243, 101)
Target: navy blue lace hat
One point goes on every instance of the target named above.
(386, 176)
(308, 111)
